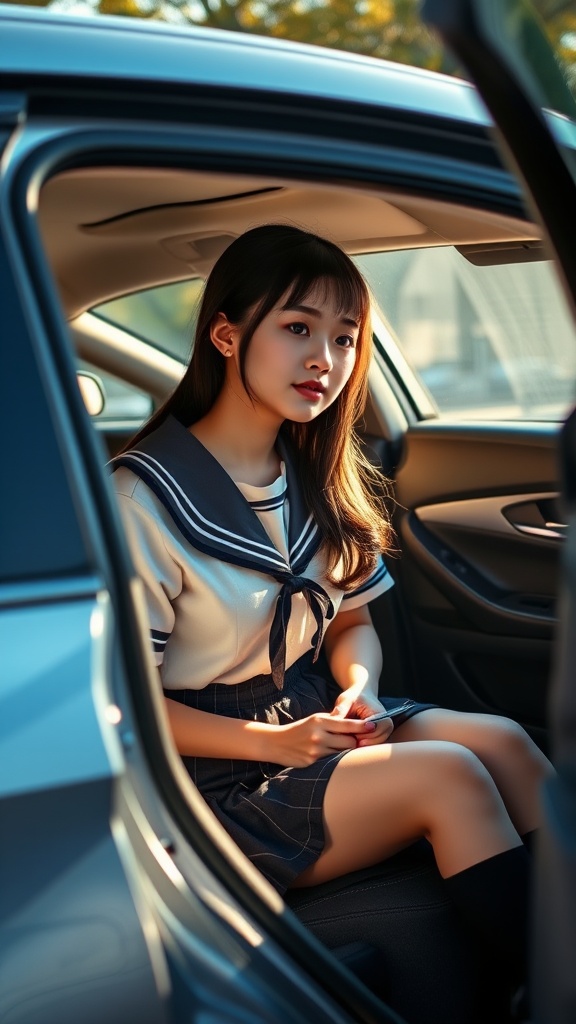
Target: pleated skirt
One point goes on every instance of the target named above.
(273, 813)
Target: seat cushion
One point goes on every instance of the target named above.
(428, 967)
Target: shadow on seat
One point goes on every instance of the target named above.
(394, 926)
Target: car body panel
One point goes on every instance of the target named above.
(183, 55)
(44, 697)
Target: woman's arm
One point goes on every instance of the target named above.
(201, 734)
(353, 650)
(355, 658)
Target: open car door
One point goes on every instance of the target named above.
(511, 63)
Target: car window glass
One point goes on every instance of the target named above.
(488, 341)
(164, 315)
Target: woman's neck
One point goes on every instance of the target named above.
(243, 445)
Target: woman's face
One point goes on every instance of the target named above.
(300, 358)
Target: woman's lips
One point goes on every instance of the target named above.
(312, 390)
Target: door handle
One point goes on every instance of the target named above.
(538, 517)
(550, 531)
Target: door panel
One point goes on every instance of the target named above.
(502, 580)
(480, 530)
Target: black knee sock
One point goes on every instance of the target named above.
(492, 896)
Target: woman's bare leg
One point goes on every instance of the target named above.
(381, 798)
(514, 761)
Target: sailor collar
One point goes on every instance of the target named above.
(214, 516)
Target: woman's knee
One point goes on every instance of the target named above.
(454, 756)
(456, 775)
(463, 811)
(494, 739)
(503, 739)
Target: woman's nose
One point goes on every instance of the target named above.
(320, 358)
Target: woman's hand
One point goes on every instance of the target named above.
(296, 745)
(303, 742)
(355, 659)
(358, 703)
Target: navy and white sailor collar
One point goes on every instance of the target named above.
(213, 515)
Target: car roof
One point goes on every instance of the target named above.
(50, 44)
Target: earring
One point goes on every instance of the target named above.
(228, 352)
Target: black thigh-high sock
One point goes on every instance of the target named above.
(492, 896)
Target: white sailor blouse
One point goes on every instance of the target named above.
(234, 575)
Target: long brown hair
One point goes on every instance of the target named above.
(341, 488)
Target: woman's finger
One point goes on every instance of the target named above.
(339, 741)
(342, 708)
(380, 735)
(349, 725)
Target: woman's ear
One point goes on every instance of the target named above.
(223, 334)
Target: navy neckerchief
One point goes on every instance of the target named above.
(214, 516)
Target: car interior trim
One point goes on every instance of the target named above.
(118, 352)
(484, 604)
(190, 204)
(494, 514)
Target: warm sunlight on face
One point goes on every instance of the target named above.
(300, 358)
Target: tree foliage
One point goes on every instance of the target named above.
(389, 29)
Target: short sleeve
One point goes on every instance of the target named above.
(160, 574)
(378, 583)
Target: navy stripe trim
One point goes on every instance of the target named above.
(220, 522)
(268, 504)
(221, 554)
(245, 554)
(211, 538)
(376, 577)
(159, 640)
(305, 546)
(159, 636)
(176, 495)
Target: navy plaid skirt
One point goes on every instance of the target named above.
(273, 813)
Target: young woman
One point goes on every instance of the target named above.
(258, 535)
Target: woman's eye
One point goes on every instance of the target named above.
(298, 328)
(345, 341)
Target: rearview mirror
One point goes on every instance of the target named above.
(92, 391)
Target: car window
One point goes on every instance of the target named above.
(164, 315)
(488, 337)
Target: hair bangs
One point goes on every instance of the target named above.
(328, 279)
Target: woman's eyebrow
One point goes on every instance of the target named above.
(348, 321)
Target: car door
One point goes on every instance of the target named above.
(519, 80)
